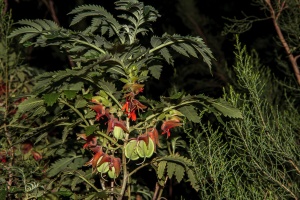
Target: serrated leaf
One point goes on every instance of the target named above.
(166, 55)
(80, 103)
(90, 115)
(116, 70)
(60, 165)
(179, 173)
(190, 113)
(70, 94)
(226, 109)
(90, 129)
(161, 169)
(75, 181)
(39, 111)
(108, 87)
(192, 179)
(171, 169)
(51, 99)
(30, 104)
(155, 71)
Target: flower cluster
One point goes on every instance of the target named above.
(101, 162)
(132, 105)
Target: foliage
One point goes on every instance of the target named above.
(99, 101)
(20, 170)
(256, 157)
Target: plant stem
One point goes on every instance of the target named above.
(124, 162)
(88, 44)
(75, 110)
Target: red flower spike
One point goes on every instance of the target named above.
(116, 163)
(132, 115)
(37, 156)
(131, 105)
(125, 107)
(167, 125)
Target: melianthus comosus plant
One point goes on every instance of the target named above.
(100, 102)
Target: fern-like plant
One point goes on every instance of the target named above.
(100, 102)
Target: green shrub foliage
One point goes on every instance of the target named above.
(256, 157)
(94, 128)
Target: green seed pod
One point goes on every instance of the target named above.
(112, 173)
(130, 150)
(143, 150)
(103, 168)
(118, 133)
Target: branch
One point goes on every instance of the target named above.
(284, 43)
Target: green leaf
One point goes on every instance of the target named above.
(80, 103)
(60, 165)
(3, 192)
(177, 95)
(155, 71)
(108, 87)
(96, 195)
(226, 109)
(161, 169)
(166, 55)
(192, 179)
(50, 99)
(30, 104)
(70, 94)
(171, 169)
(179, 173)
(190, 113)
(90, 129)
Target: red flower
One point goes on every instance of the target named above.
(36, 155)
(98, 154)
(3, 157)
(167, 125)
(153, 134)
(116, 163)
(26, 147)
(100, 110)
(112, 122)
(91, 140)
(131, 105)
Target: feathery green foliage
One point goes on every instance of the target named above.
(256, 157)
